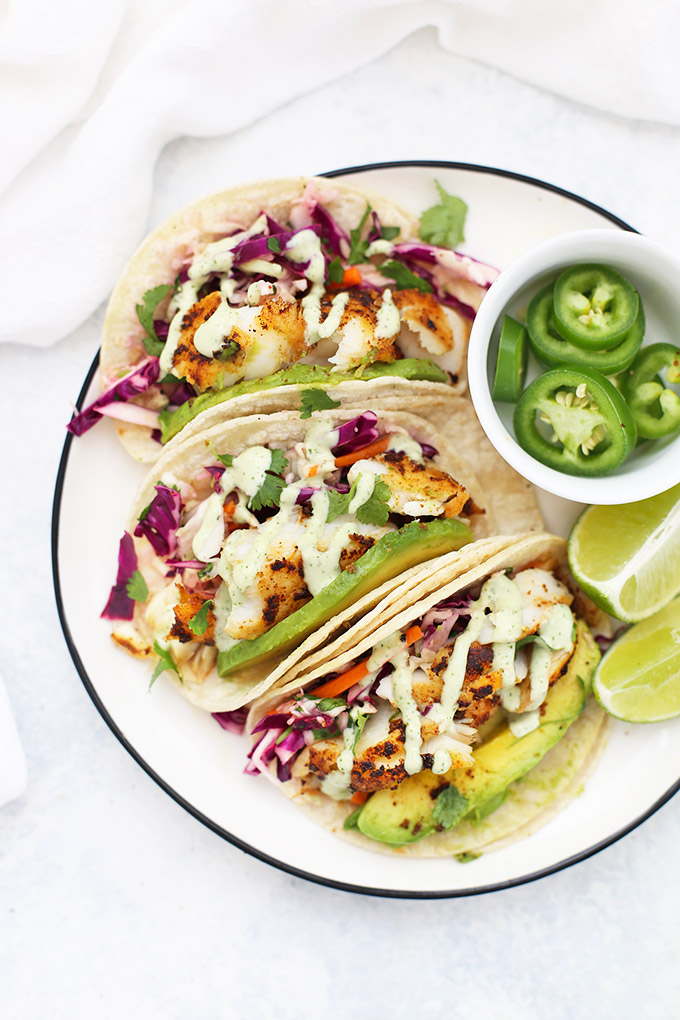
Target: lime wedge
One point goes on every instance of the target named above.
(638, 680)
(627, 557)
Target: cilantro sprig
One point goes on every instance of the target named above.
(165, 661)
(404, 278)
(315, 400)
(358, 247)
(199, 621)
(145, 313)
(449, 807)
(137, 587)
(443, 224)
(374, 511)
(269, 493)
(336, 271)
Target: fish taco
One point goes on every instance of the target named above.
(258, 539)
(450, 723)
(238, 301)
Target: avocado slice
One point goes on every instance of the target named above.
(407, 813)
(391, 555)
(173, 421)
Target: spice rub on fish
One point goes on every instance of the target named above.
(257, 341)
(416, 488)
(190, 603)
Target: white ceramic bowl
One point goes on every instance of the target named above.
(655, 273)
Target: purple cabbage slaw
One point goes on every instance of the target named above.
(137, 380)
(160, 521)
(120, 606)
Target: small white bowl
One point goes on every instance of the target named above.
(655, 272)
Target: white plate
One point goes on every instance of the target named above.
(197, 763)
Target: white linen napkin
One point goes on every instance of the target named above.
(12, 760)
(90, 94)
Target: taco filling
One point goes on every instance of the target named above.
(457, 703)
(252, 551)
(305, 301)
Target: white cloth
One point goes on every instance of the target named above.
(90, 94)
(12, 760)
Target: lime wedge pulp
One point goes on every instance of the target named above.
(638, 680)
(627, 557)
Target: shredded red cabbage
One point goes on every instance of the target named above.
(234, 722)
(356, 433)
(161, 520)
(131, 385)
(120, 606)
(333, 236)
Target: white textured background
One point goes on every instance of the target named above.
(113, 901)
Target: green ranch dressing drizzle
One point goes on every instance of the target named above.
(332, 321)
(320, 567)
(215, 258)
(555, 634)
(305, 246)
(247, 474)
(388, 322)
(401, 442)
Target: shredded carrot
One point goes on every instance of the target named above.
(230, 506)
(313, 470)
(413, 634)
(360, 797)
(343, 682)
(379, 446)
(351, 277)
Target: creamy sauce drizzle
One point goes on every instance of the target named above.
(305, 246)
(388, 322)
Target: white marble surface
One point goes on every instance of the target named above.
(115, 903)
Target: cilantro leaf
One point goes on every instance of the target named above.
(326, 704)
(403, 277)
(443, 224)
(338, 502)
(150, 300)
(199, 621)
(357, 247)
(206, 571)
(279, 462)
(335, 271)
(450, 806)
(274, 245)
(315, 400)
(389, 233)
(269, 493)
(375, 510)
(137, 588)
(165, 661)
(224, 458)
(466, 856)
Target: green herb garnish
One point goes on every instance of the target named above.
(374, 511)
(150, 300)
(165, 661)
(449, 807)
(404, 278)
(443, 224)
(137, 588)
(315, 400)
(199, 622)
(269, 493)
